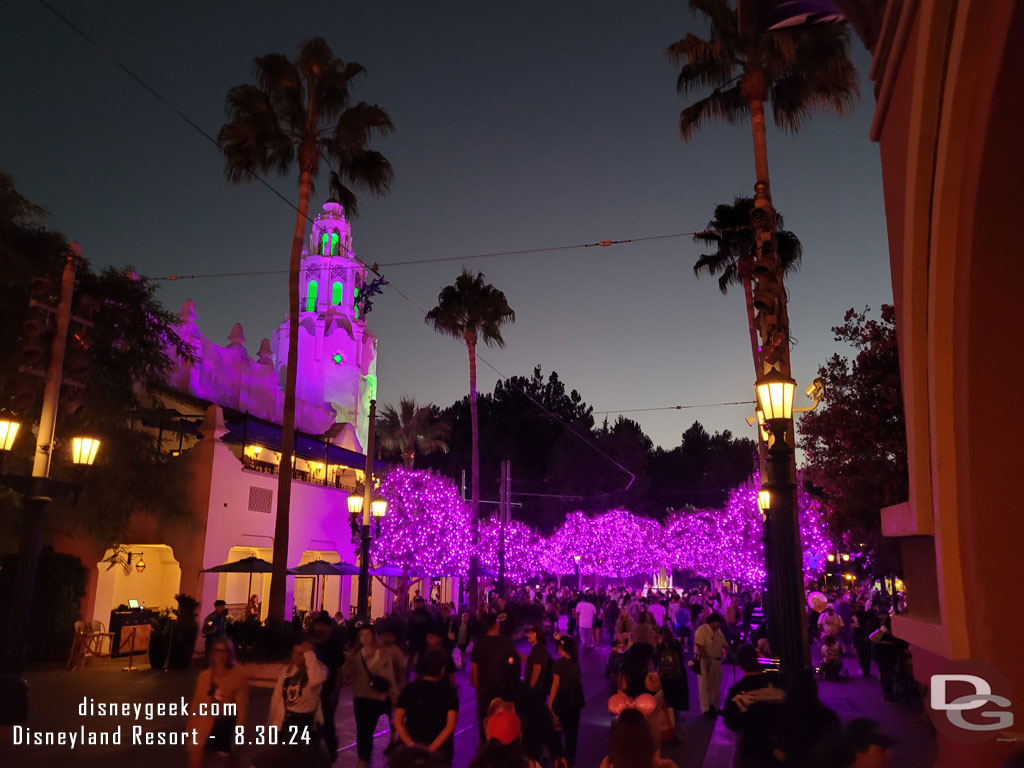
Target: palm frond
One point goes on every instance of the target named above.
(726, 105)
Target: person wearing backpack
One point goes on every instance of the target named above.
(673, 675)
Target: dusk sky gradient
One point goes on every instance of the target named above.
(518, 125)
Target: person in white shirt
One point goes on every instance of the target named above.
(295, 703)
(830, 622)
(657, 611)
(709, 642)
(585, 611)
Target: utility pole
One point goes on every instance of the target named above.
(38, 497)
(363, 604)
(504, 517)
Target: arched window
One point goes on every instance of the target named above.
(329, 244)
(337, 293)
(311, 296)
(355, 301)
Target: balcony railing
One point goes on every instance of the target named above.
(302, 475)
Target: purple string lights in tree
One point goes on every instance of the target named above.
(616, 544)
(426, 528)
(729, 543)
(522, 549)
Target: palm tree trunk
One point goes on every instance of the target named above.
(408, 459)
(276, 608)
(760, 142)
(474, 523)
(748, 295)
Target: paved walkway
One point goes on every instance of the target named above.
(57, 695)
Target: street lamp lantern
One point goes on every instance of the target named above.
(775, 395)
(764, 501)
(831, 557)
(83, 450)
(8, 431)
(846, 558)
(355, 503)
(576, 558)
(379, 507)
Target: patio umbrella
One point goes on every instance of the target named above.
(324, 568)
(318, 568)
(250, 565)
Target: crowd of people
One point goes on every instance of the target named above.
(529, 696)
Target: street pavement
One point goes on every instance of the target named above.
(57, 695)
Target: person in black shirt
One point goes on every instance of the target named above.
(752, 708)
(419, 622)
(327, 645)
(538, 662)
(566, 698)
(428, 709)
(436, 647)
(495, 667)
(809, 733)
(864, 623)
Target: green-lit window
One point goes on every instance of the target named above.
(355, 301)
(337, 292)
(311, 296)
(329, 244)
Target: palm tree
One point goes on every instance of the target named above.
(472, 310)
(299, 112)
(799, 69)
(412, 428)
(733, 258)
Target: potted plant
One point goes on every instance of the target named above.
(160, 638)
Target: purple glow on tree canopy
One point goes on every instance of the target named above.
(426, 528)
(522, 549)
(729, 543)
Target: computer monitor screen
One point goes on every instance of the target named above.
(133, 604)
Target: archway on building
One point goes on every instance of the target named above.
(151, 579)
(328, 593)
(236, 589)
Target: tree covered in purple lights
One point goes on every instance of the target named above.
(522, 549)
(728, 543)
(616, 544)
(426, 530)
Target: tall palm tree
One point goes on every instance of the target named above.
(732, 260)
(799, 69)
(472, 310)
(297, 113)
(412, 429)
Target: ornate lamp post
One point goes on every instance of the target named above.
(784, 559)
(376, 508)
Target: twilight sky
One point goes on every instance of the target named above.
(519, 125)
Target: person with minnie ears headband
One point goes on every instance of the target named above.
(631, 743)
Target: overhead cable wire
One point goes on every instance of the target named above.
(680, 407)
(206, 135)
(466, 257)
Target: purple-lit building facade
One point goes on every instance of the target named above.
(220, 416)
